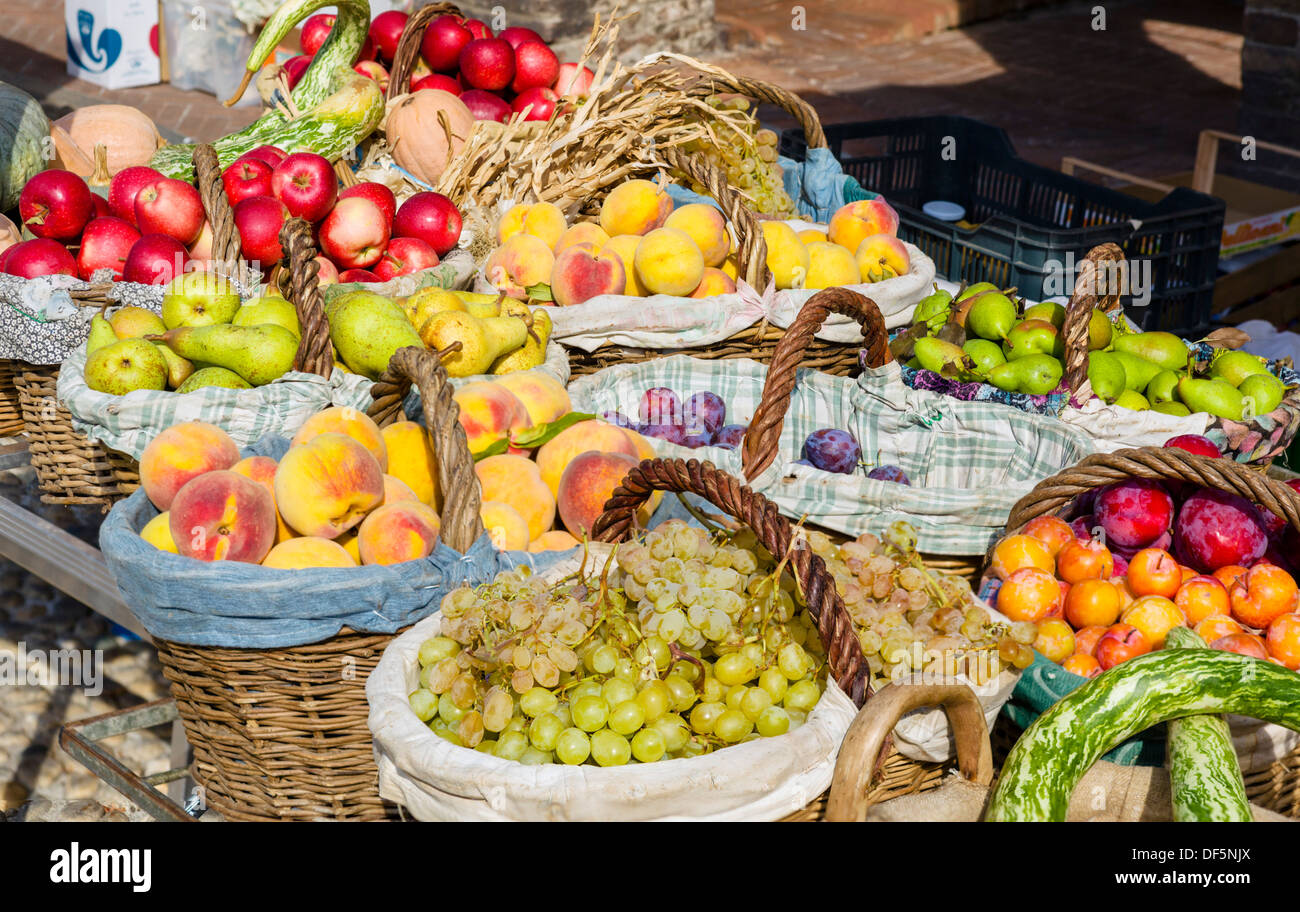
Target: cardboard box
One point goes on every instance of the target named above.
(112, 43)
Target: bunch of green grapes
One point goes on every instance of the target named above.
(910, 619)
(746, 155)
(682, 645)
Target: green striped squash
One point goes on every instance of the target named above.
(24, 142)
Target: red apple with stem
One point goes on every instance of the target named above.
(55, 204)
(305, 182)
(517, 35)
(438, 81)
(272, 155)
(39, 257)
(431, 217)
(155, 259)
(259, 220)
(295, 67)
(355, 233)
(357, 275)
(536, 66)
(404, 256)
(488, 64)
(104, 245)
(386, 30)
(125, 186)
(247, 177)
(373, 69)
(201, 249)
(478, 28)
(171, 207)
(314, 32)
(573, 80)
(443, 41)
(378, 194)
(536, 103)
(485, 105)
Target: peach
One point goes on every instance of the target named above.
(854, 222)
(730, 268)
(582, 272)
(787, 258)
(395, 490)
(180, 453)
(348, 542)
(398, 532)
(635, 207)
(558, 540)
(410, 458)
(520, 263)
(713, 282)
(507, 529)
(544, 221)
(307, 551)
(262, 470)
(625, 247)
(668, 262)
(158, 533)
(327, 485)
(811, 236)
(1018, 551)
(882, 256)
(488, 413)
(223, 515)
(706, 226)
(830, 266)
(587, 483)
(544, 398)
(556, 454)
(516, 480)
(346, 420)
(582, 233)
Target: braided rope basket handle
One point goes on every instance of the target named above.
(866, 738)
(774, 531)
(761, 442)
(1102, 262)
(461, 498)
(315, 353)
(769, 93)
(226, 249)
(408, 46)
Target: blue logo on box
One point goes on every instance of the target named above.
(95, 56)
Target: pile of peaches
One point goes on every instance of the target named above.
(1144, 557)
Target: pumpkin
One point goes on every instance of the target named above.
(24, 132)
(129, 134)
(425, 129)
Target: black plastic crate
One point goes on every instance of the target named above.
(1028, 218)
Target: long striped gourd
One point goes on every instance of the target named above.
(1063, 743)
(1204, 775)
(338, 106)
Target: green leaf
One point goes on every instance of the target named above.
(540, 292)
(534, 436)
(496, 448)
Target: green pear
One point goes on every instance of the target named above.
(933, 310)
(986, 355)
(213, 376)
(1047, 310)
(1162, 388)
(178, 369)
(199, 299)
(1218, 397)
(1106, 375)
(259, 354)
(1163, 349)
(944, 358)
(1236, 366)
(1264, 390)
(913, 363)
(991, 316)
(1100, 331)
(977, 288)
(1038, 374)
(1138, 372)
(1131, 399)
(101, 334)
(368, 328)
(1034, 337)
(1005, 377)
(270, 309)
(126, 365)
(1171, 408)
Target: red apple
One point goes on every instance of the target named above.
(329, 273)
(378, 194)
(101, 205)
(201, 249)
(357, 275)
(438, 81)
(272, 155)
(373, 69)
(1195, 443)
(485, 105)
(573, 80)
(104, 245)
(536, 66)
(314, 32)
(478, 28)
(155, 259)
(4, 258)
(404, 256)
(172, 207)
(295, 67)
(55, 204)
(259, 220)
(39, 257)
(431, 217)
(386, 30)
(488, 64)
(368, 50)
(539, 103)
(443, 41)
(354, 234)
(246, 177)
(124, 186)
(517, 35)
(305, 182)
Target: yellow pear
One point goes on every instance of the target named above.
(533, 352)
(482, 341)
(428, 301)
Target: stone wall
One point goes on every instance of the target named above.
(1270, 71)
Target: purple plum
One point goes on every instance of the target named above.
(673, 433)
(659, 406)
(695, 441)
(704, 412)
(833, 450)
(890, 473)
(729, 436)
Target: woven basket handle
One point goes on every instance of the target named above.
(769, 93)
(762, 440)
(461, 524)
(315, 353)
(1158, 464)
(1093, 270)
(773, 530)
(865, 739)
(408, 46)
(751, 248)
(226, 248)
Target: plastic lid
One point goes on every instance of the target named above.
(942, 209)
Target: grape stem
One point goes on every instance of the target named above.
(678, 655)
(714, 524)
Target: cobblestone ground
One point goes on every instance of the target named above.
(38, 781)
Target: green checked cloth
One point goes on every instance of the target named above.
(969, 462)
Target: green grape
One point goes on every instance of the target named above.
(626, 717)
(671, 569)
(721, 558)
(448, 710)
(732, 726)
(691, 639)
(773, 721)
(661, 546)
(734, 668)
(704, 715)
(648, 745)
(471, 728)
(755, 701)
(486, 746)
(686, 543)
(626, 670)
(735, 695)
(802, 695)
(793, 661)
(435, 649)
(672, 728)
(644, 573)
(716, 625)
(1024, 632)
(617, 690)
(498, 708)
(714, 691)
(655, 699)
(439, 678)
(671, 625)
(424, 703)
(697, 616)
(754, 652)
(537, 700)
(610, 748)
(533, 757)
(573, 746)
(455, 603)
(723, 578)
(544, 733)
(449, 735)
(585, 689)
(681, 691)
(774, 681)
(589, 713)
(511, 745)
(744, 561)
(659, 652)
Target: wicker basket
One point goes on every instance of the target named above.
(11, 412)
(1277, 786)
(281, 734)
